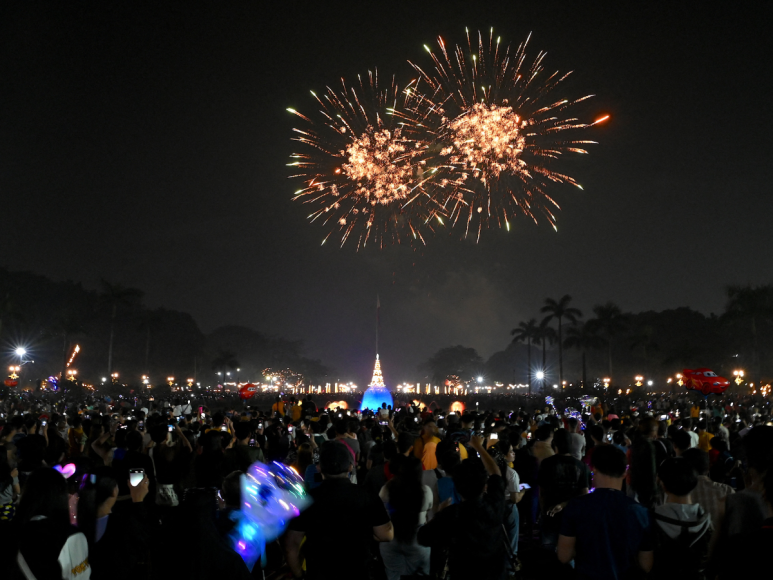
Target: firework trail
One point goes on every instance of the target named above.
(497, 130)
(365, 172)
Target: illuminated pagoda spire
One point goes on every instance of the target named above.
(378, 379)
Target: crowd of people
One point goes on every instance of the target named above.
(664, 487)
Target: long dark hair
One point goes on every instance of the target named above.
(305, 457)
(501, 449)
(44, 494)
(95, 489)
(406, 495)
(5, 469)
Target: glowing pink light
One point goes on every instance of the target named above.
(67, 470)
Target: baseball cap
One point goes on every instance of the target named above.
(334, 458)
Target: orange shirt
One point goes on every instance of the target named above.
(278, 407)
(429, 459)
(703, 441)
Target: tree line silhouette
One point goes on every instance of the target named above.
(618, 345)
(118, 334)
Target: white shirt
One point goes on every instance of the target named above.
(73, 558)
(513, 482)
(694, 439)
(577, 445)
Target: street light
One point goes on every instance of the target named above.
(540, 375)
(20, 352)
(738, 376)
(638, 379)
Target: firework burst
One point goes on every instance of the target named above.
(364, 174)
(497, 128)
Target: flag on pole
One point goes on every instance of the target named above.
(378, 319)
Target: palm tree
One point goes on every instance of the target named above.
(610, 322)
(115, 295)
(526, 332)
(225, 359)
(545, 335)
(151, 320)
(584, 338)
(752, 306)
(644, 338)
(560, 309)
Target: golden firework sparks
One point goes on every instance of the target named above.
(486, 141)
(498, 130)
(365, 172)
(377, 161)
(475, 141)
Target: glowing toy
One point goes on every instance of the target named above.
(247, 391)
(704, 380)
(587, 402)
(272, 495)
(66, 470)
(572, 412)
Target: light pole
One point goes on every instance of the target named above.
(20, 352)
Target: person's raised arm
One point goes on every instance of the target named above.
(646, 560)
(384, 532)
(182, 438)
(98, 446)
(391, 425)
(293, 541)
(488, 462)
(312, 442)
(565, 548)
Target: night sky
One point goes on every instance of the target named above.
(147, 146)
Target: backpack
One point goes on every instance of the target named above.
(686, 556)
